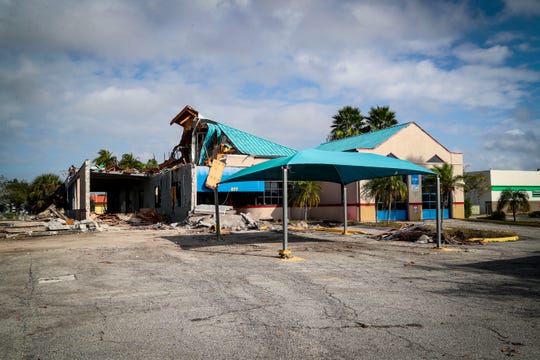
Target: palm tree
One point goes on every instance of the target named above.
(129, 161)
(105, 159)
(151, 163)
(475, 184)
(347, 122)
(386, 190)
(42, 188)
(449, 183)
(516, 200)
(307, 195)
(15, 193)
(381, 117)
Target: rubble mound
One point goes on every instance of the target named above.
(426, 234)
(51, 221)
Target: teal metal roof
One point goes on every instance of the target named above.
(253, 145)
(364, 141)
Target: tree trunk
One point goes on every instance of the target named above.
(389, 211)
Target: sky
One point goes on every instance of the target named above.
(79, 76)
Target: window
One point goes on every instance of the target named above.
(273, 193)
(435, 159)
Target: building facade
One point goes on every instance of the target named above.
(406, 141)
(209, 151)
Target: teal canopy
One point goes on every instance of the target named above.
(331, 166)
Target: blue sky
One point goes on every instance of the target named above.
(76, 77)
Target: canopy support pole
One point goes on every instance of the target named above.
(438, 212)
(285, 252)
(218, 223)
(344, 200)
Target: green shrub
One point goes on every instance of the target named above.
(10, 215)
(497, 215)
(468, 208)
(534, 214)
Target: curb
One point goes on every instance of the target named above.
(334, 230)
(501, 239)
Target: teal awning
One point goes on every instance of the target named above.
(337, 167)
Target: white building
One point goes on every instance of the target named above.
(500, 180)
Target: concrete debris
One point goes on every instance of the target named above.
(251, 224)
(424, 239)
(55, 224)
(14, 228)
(52, 213)
(211, 209)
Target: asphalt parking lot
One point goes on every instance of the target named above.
(149, 294)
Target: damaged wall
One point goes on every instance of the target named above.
(172, 193)
(78, 192)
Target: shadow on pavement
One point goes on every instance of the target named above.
(525, 267)
(505, 280)
(249, 242)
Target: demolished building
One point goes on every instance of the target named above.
(207, 151)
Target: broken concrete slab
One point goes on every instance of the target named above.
(211, 209)
(57, 225)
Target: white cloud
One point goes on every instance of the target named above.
(476, 55)
(112, 74)
(504, 37)
(523, 7)
(16, 124)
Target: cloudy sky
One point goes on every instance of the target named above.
(78, 76)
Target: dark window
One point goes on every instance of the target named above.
(435, 159)
(178, 194)
(273, 193)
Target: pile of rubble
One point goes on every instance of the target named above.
(49, 222)
(227, 221)
(421, 234)
(54, 222)
(143, 217)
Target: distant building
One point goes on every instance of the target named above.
(98, 203)
(500, 180)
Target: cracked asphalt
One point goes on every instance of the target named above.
(147, 294)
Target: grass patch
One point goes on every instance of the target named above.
(466, 234)
(530, 223)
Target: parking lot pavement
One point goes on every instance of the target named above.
(158, 294)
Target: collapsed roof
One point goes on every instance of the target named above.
(203, 139)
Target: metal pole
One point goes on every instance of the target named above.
(285, 215)
(344, 199)
(438, 212)
(218, 223)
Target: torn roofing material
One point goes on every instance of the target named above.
(363, 141)
(249, 144)
(217, 134)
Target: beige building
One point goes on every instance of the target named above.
(500, 180)
(406, 142)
